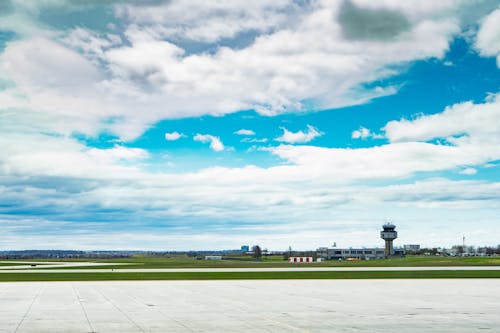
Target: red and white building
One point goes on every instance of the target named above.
(300, 259)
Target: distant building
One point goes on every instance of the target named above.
(411, 247)
(300, 259)
(245, 248)
(344, 254)
(213, 257)
(388, 234)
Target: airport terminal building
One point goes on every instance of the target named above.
(343, 254)
(388, 234)
(352, 253)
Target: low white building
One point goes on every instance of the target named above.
(344, 254)
(213, 257)
(411, 247)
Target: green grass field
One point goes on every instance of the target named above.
(187, 262)
(144, 262)
(5, 277)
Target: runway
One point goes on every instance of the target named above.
(50, 264)
(44, 269)
(427, 305)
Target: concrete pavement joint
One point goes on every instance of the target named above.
(121, 311)
(29, 308)
(77, 294)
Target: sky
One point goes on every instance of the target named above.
(189, 125)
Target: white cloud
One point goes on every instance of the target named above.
(69, 178)
(361, 133)
(458, 123)
(468, 171)
(41, 155)
(254, 140)
(36, 154)
(244, 132)
(470, 132)
(118, 153)
(57, 88)
(101, 88)
(397, 160)
(488, 36)
(215, 142)
(365, 133)
(207, 22)
(43, 63)
(173, 136)
(91, 43)
(300, 136)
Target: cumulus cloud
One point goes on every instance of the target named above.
(400, 158)
(215, 142)
(470, 132)
(458, 123)
(147, 66)
(244, 132)
(173, 136)
(42, 155)
(365, 133)
(299, 137)
(207, 22)
(66, 180)
(361, 133)
(488, 36)
(91, 43)
(55, 65)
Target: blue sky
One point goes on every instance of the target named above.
(176, 126)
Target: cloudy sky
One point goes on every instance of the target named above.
(175, 125)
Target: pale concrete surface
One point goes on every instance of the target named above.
(252, 269)
(455, 305)
(48, 264)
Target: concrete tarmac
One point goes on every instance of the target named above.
(423, 305)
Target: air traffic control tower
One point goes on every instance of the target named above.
(388, 234)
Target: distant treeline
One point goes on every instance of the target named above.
(458, 250)
(55, 254)
(103, 254)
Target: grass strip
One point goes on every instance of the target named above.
(108, 276)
